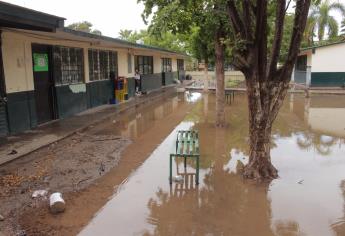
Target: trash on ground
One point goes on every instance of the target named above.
(39, 193)
(178, 178)
(56, 202)
(13, 152)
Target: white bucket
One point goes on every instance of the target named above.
(56, 202)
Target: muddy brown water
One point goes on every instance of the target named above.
(308, 149)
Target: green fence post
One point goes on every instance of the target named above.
(170, 170)
(197, 171)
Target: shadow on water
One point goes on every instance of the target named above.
(308, 198)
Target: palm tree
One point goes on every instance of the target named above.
(342, 32)
(321, 20)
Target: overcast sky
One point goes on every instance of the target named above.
(108, 16)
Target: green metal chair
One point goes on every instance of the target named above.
(187, 146)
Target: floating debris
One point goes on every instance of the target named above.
(2, 218)
(301, 181)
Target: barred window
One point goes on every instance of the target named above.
(180, 64)
(144, 64)
(68, 65)
(166, 65)
(102, 64)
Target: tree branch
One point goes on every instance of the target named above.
(287, 6)
(235, 18)
(278, 36)
(247, 18)
(261, 38)
(301, 15)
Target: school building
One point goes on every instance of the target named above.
(321, 66)
(49, 72)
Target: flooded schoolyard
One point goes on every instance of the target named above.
(308, 149)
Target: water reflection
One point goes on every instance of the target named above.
(138, 121)
(307, 199)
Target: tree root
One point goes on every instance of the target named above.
(260, 171)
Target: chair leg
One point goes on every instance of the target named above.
(197, 171)
(185, 162)
(170, 170)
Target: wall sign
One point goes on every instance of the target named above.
(40, 62)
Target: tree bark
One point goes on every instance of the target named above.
(206, 76)
(220, 88)
(261, 118)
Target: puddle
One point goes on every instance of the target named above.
(308, 149)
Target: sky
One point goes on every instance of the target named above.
(108, 16)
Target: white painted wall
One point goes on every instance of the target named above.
(174, 64)
(122, 57)
(157, 64)
(329, 59)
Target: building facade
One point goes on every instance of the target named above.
(321, 66)
(49, 72)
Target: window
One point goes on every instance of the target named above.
(129, 61)
(144, 64)
(68, 65)
(166, 65)
(180, 64)
(102, 64)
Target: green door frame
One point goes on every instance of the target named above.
(3, 95)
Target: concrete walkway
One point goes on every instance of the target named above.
(13, 147)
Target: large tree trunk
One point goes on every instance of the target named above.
(267, 83)
(263, 105)
(206, 76)
(220, 89)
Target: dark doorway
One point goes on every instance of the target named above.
(43, 82)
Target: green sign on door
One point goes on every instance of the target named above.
(40, 62)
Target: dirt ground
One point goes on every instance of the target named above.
(87, 168)
(67, 166)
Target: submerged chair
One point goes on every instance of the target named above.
(187, 146)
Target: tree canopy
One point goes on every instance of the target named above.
(321, 22)
(166, 40)
(84, 26)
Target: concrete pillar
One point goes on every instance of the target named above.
(308, 79)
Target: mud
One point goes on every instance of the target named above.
(75, 163)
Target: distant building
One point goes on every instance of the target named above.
(49, 72)
(321, 66)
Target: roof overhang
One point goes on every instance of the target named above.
(12, 16)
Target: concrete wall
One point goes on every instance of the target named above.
(157, 64)
(199, 75)
(174, 64)
(123, 63)
(329, 59)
